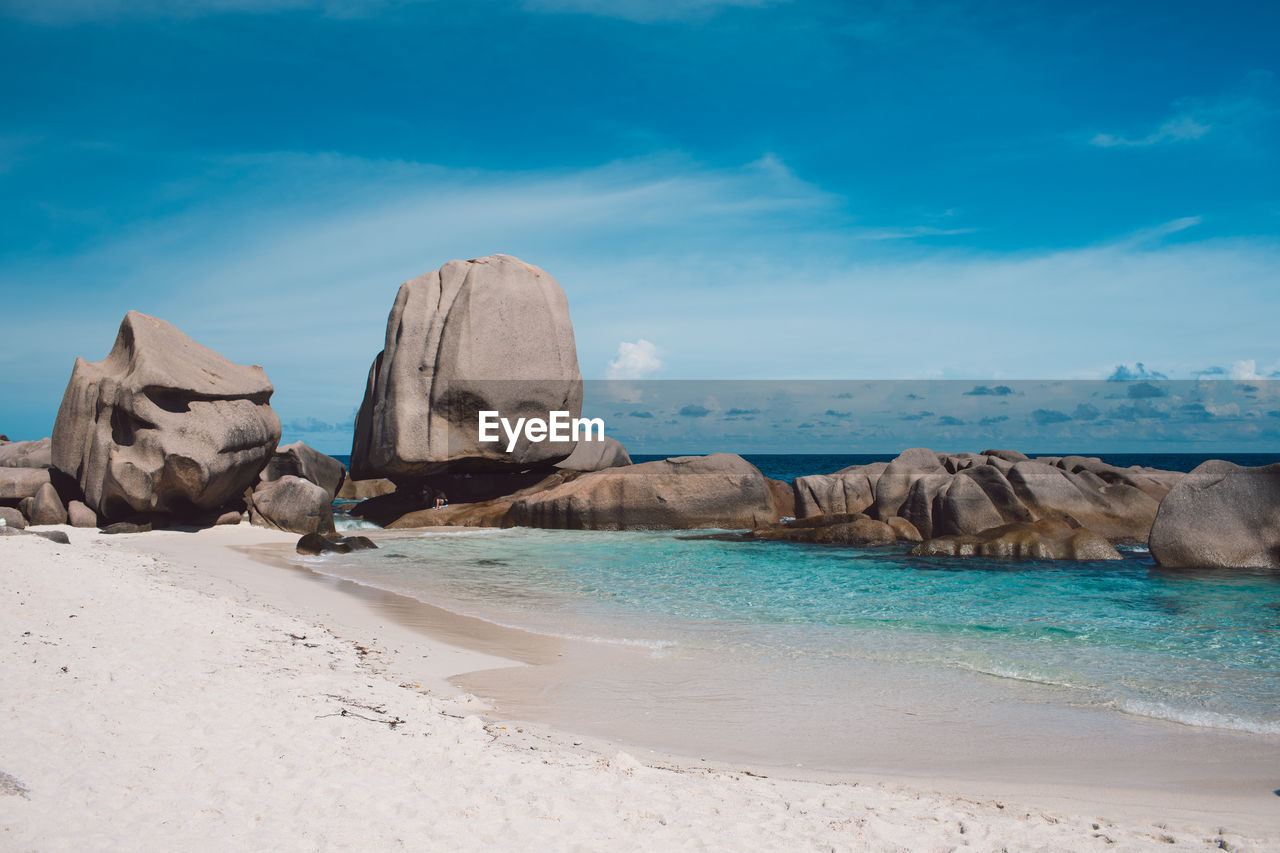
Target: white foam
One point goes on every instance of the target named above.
(463, 531)
(1201, 718)
(341, 523)
(1018, 675)
(1133, 549)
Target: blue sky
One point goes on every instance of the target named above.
(729, 189)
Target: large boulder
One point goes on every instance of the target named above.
(45, 507)
(27, 454)
(1046, 539)
(784, 498)
(293, 504)
(840, 529)
(79, 515)
(1117, 511)
(850, 490)
(1152, 481)
(362, 490)
(895, 483)
(301, 460)
(19, 483)
(12, 518)
(921, 498)
(596, 455)
(720, 490)
(405, 509)
(1221, 515)
(977, 498)
(163, 425)
(313, 544)
(1007, 455)
(489, 334)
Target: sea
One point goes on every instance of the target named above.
(1194, 648)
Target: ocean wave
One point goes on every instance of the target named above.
(1198, 717)
(1019, 675)
(342, 524)
(1133, 548)
(462, 531)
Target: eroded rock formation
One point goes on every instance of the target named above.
(487, 334)
(720, 490)
(1221, 515)
(163, 425)
(961, 494)
(1046, 539)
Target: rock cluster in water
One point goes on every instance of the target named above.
(945, 494)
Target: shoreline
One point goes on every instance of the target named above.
(515, 664)
(513, 654)
(546, 692)
(412, 651)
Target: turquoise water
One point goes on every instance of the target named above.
(1195, 648)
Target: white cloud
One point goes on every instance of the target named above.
(1178, 129)
(911, 232)
(635, 360)
(1247, 104)
(1245, 369)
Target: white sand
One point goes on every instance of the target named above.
(196, 701)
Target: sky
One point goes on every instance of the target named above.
(726, 189)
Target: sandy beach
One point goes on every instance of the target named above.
(168, 691)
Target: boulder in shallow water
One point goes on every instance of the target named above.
(904, 530)
(487, 334)
(1221, 515)
(720, 490)
(313, 544)
(1046, 539)
(163, 425)
(840, 529)
(293, 504)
